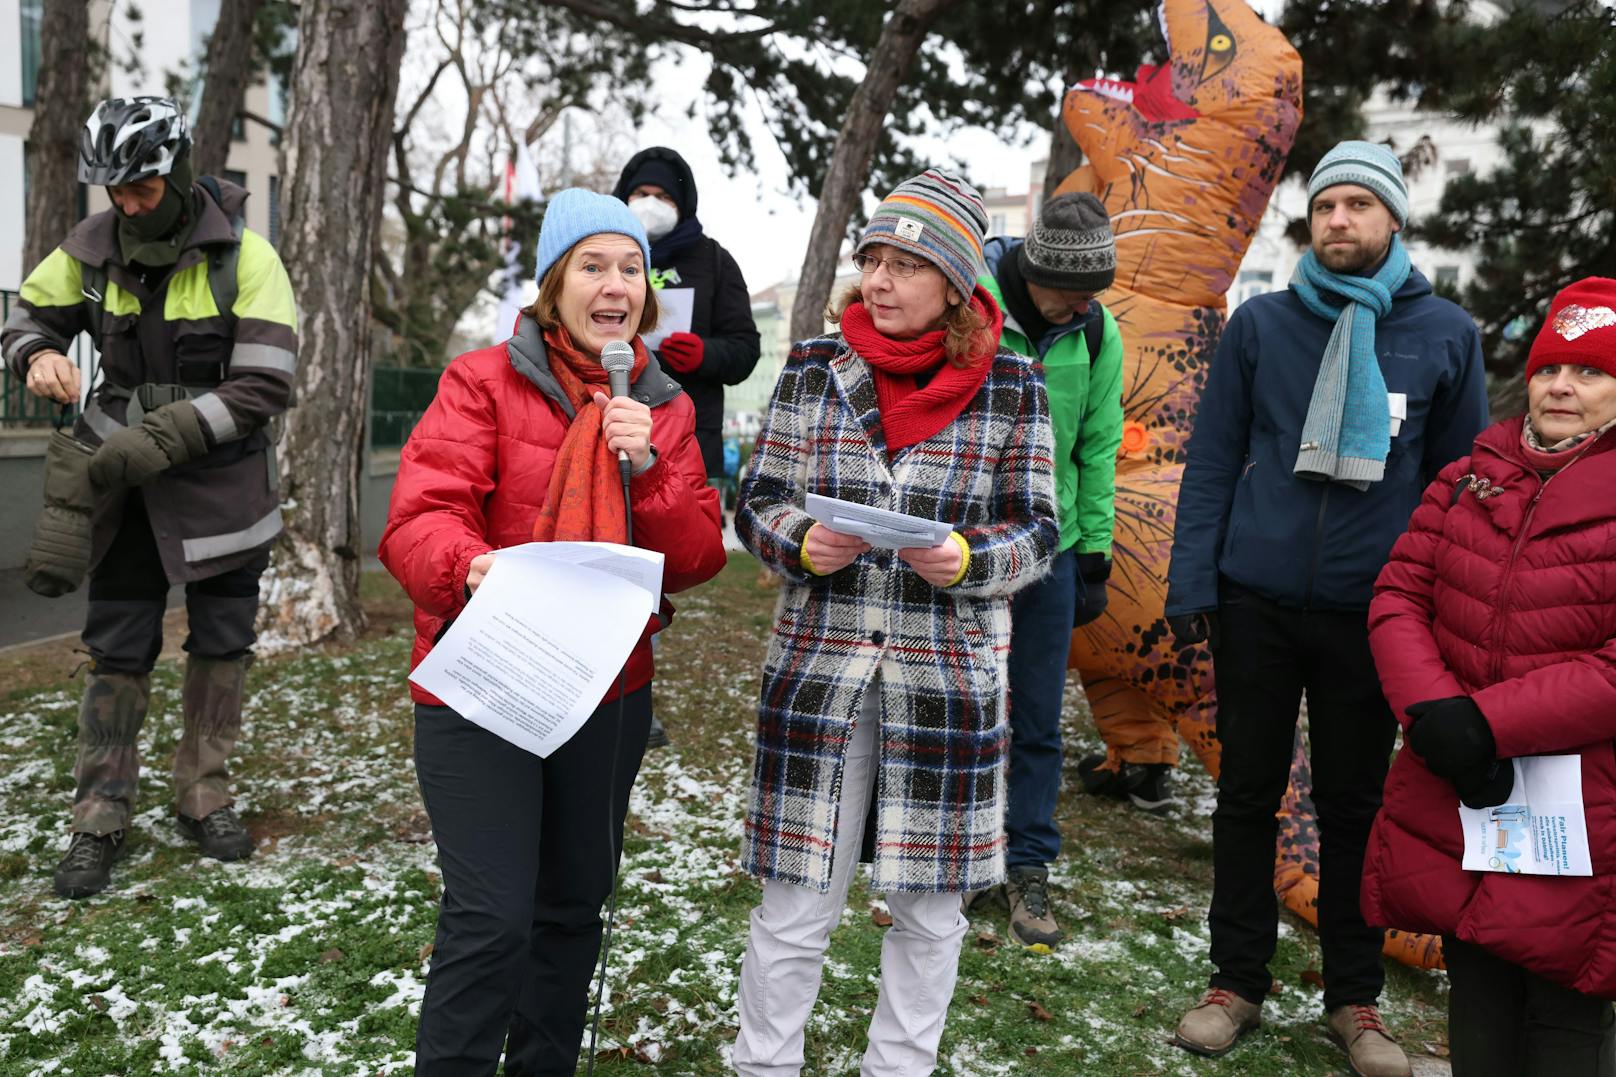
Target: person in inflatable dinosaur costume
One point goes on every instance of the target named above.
(1185, 158)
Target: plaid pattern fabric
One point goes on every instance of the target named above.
(938, 812)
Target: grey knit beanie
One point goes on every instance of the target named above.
(1070, 247)
(1368, 165)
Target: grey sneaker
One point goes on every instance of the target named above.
(220, 833)
(87, 867)
(1214, 1024)
(1032, 925)
(1371, 1051)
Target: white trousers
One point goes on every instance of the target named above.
(785, 951)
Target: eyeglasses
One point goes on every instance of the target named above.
(898, 267)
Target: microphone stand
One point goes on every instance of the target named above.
(625, 469)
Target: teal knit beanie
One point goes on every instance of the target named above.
(1367, 164)
(575, 214)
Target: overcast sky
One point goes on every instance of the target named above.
(750, 214)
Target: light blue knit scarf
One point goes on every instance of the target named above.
(1347, 433)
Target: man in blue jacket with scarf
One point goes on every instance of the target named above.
(1328, 409)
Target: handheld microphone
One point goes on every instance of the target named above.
(618, 359)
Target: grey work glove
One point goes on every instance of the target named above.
(167, 436)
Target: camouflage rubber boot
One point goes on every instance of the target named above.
(212, 695)
(108, 763)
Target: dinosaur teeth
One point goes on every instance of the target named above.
(1117, 91)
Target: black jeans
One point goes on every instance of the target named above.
(1506, 1022)
(522, 843)
(1267, 656)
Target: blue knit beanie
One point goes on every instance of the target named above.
(1367, 164)
(575, 214)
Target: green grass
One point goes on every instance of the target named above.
(310, 958)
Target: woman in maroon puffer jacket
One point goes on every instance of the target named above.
(522, 443)
(1494, 632)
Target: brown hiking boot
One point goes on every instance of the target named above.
(1214, 1024)
(1032, 925)
(1359, 1031)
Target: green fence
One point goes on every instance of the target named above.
(398, 398)
(398, 395)
(18, 407)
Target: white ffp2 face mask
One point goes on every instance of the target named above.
(657, 216)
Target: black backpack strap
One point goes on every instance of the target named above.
(1094, 331)
(222, 261)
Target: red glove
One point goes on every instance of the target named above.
(682, 351)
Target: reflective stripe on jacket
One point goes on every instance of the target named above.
(215, 513)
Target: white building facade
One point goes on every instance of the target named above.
(173, 35)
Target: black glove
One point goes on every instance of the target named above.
(1093, 569)
(1486, 787)
(1192, 628)
(1451, 735)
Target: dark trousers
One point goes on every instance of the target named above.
(527, 866)
(1267, 655)
(1504, 1021)
(1041, 630)
(123, 630)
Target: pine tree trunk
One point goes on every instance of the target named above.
(334, 159)
(229, 69)
(849, 168)
(60, 109)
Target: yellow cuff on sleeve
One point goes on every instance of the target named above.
(803, 557)
(965, 557)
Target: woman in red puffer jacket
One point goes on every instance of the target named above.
(1494, 632)
(522, 443)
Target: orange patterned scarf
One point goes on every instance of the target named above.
(585, 499)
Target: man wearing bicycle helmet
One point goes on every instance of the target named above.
(194, 319)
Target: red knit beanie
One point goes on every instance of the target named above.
(1581, 328)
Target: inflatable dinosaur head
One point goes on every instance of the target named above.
(1186, 155)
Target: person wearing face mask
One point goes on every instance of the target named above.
(1494, 632)
(197, 331)
(721, 346)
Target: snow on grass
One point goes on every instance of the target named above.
(310, 958)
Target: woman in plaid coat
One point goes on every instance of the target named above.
(883, 714)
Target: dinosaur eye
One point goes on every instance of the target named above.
(1221, 43)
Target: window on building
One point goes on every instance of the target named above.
(996, 225)
(1447, 278)
(274, 211)
(1456, 166)
(1252, 283)
(238, 129)
(32, 12)
(238, 178)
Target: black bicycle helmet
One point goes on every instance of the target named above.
(130, 138)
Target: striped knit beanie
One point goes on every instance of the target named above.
(1367, 164)
(937, 216)
(1071, 247)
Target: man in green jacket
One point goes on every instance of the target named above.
(195, 322)
(1045, 285)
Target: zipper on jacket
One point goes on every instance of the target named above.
(1503, 581)
(1318, 549)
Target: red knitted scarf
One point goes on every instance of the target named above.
(911, 414)
(585, 500)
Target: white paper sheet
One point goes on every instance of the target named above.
(678, 304)
(543, 638)
(1540, 828)
(881, 528)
